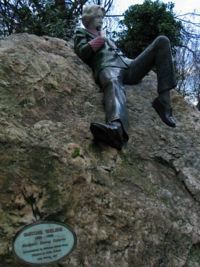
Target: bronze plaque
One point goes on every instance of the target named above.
(44, 242)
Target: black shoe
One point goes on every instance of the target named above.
(110, 134)
(165, 112)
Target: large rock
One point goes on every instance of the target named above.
(136, 207)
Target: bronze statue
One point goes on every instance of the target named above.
(112, 70)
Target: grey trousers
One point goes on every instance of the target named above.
(111, 79)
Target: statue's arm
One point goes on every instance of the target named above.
(81, 46)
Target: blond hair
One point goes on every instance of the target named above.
(90, 12)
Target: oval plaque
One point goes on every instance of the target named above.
(44, 242)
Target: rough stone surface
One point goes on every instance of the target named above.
(136, 207)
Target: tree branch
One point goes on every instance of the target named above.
(113, 16)
(186, 14)
(189, 22)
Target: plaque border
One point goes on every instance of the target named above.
(43, 222)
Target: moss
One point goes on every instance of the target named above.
(76, 152)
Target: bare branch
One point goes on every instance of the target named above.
(191, 35)
(190, 22)
(183, 15)
(189, 49)
(114, 16)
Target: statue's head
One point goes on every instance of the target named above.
(92, 16)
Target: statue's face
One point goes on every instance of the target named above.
(97, 22)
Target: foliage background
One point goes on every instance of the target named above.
(143, 23)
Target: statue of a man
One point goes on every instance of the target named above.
(112, 70)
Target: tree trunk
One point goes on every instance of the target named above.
(198, 105)
(198, 98)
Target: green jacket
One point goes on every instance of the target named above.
(104, 57)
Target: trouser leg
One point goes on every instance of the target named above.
(157, 54)
(114, 96)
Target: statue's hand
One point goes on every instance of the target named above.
(103, 34)
(110, 43)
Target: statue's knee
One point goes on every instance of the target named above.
(162, 40)
(114, 86)
(112, 82)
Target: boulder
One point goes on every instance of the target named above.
(136, 207)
